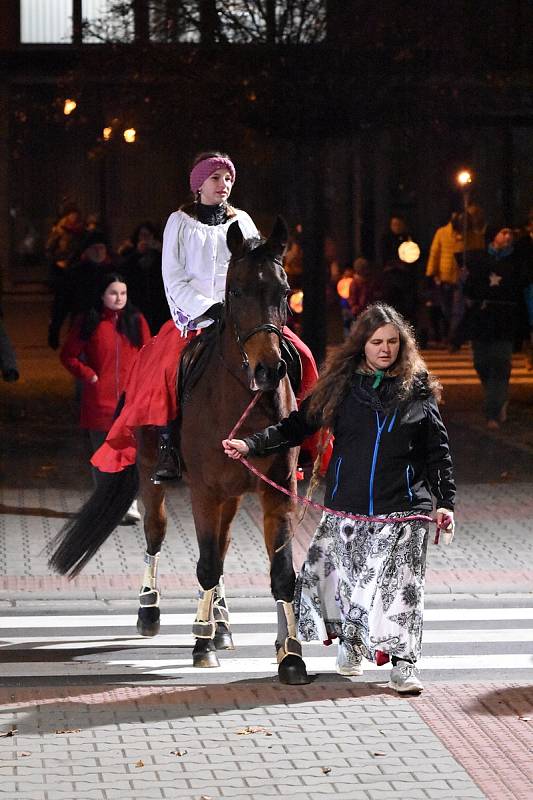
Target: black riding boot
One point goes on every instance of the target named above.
(168, 467)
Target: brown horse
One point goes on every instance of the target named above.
(244, 356)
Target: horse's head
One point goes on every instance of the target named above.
(256, 302)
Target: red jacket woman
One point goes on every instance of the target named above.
(102, 357)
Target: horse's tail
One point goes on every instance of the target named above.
(79, 539)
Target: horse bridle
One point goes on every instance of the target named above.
(266, 327)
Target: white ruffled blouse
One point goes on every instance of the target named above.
(195, 262)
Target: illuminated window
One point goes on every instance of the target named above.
(46, 23)
(107, 20)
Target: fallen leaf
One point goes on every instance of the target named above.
(24, 754)
(61, 731)
(505, 475)
(178, 752)
(326, 770)
(139, 763)
(206, 797)
(253, 729)
(379, 753)
(12, 732)
(522, 719)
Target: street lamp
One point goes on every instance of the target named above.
(464, 180)
(69, 106)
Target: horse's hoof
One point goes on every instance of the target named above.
(204, 654)
(223, 639)
(205, 660)
(148, 621)
(292, 671)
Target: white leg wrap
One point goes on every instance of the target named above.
(287, 642)
(204, 625)
(220, 606)
(149, 594)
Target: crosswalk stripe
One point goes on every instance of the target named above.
(455, 369)
(182, 666)
(431, 636)
(84, 621)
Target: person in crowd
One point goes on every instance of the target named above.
(477, 218)
(397, 234)
(99, 351)
(77, 292)
(343, 295)
(8, 358)
(195, 262)
(444, 267)
(524, 250)
(361, 288)
(494, 293)
(141, 265)
(294, 258)
(64, 243)
(363, 581)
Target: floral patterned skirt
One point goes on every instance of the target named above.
(364, 582)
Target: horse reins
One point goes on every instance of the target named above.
(306, 501)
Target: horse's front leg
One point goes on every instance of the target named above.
(207, 519)
(155, 525)
(278, 534)
(223, 639)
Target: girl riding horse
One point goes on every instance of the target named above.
(195, 263)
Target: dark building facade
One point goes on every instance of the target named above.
(333, 120)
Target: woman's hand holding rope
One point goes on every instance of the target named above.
(235, 448)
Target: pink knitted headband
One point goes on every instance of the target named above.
(201, 171)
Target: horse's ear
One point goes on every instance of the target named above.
(235, 240)
(277, 241)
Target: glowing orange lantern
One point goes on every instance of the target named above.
(296, 302)
(343, 287)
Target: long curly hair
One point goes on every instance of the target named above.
(339, 369)
(129, 320)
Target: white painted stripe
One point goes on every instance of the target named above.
(476, 382)
(84, 621)
(241, 666)
(266, 639)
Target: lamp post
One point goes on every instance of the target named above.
(464, 180)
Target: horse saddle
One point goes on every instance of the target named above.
(197, 353)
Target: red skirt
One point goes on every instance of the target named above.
(151, 394)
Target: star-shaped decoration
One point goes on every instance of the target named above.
(495, 279)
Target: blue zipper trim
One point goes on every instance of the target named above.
(337, 470)
(409, 490)
(380, 426)
(393, 420)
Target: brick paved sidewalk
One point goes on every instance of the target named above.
(492, 552)
(337, 739)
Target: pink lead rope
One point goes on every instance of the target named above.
(318, 506)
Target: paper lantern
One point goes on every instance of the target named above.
(409, 252)
(296, 302)
(343, 287)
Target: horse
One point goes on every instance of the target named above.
(244, 356)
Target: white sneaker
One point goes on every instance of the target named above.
(405, 678)
(348, 660)
(132, 514)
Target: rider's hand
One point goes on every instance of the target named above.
(214, 312)
(446, 522)
(235, 448)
